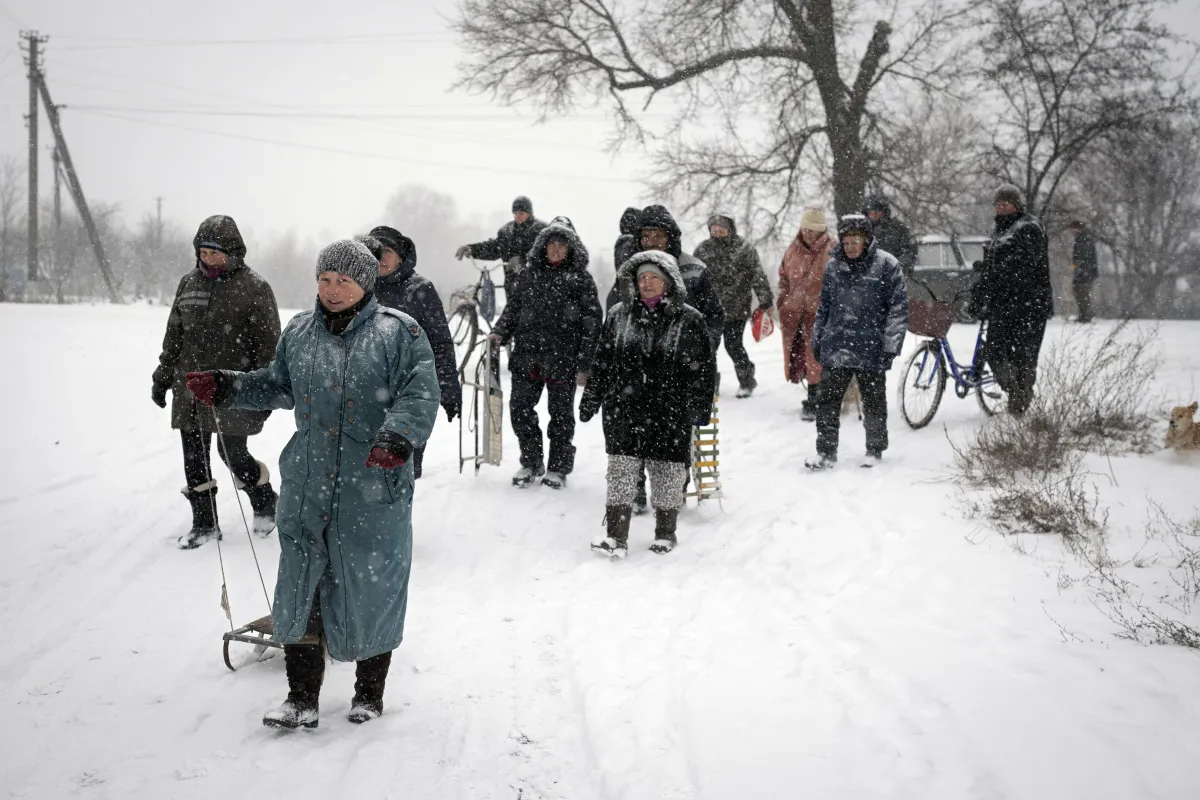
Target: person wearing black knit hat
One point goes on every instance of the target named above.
(400, 287)
(511, 243)
(891, 235)
(1015, 297)
(862, 319)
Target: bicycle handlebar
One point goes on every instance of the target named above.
(936, 299)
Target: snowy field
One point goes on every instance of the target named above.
(832, 636)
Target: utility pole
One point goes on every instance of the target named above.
(77, 189)
(57, 187)
(32, 41)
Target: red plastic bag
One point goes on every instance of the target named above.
(762, 324)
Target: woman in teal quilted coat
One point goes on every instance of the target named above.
(362, 381)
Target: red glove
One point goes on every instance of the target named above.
(204, 386)
(384, 459)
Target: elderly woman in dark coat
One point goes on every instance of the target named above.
(653, 376)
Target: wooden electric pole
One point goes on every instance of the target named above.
(32, 42)
(77, 189)
(57, 161)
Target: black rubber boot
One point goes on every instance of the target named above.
(203, 500)
(808, 408)
(664, 530)
(616, 541)
(305, 664)
(370, 676)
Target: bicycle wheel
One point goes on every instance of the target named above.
(992, 399)
(922, 384)
(464, 331)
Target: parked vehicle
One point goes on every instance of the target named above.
(944, 265)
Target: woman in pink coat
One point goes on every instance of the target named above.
(800, 276)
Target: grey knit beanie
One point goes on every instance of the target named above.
(1008, 193)
(351, 259)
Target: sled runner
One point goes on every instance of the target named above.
(259, 633)
(486, 427)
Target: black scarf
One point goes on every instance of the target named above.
(336, 322)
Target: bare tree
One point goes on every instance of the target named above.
(767, 98)
(12, 201)
(1144, 192)
(1067, 73)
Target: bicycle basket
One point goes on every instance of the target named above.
(930, 318)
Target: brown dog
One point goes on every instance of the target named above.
(1183, 433)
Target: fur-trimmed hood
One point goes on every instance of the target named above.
(561, 227)
(676, 293)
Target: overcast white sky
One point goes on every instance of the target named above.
(109, 61)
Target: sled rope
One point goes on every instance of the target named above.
(212, 499)
(245, 524)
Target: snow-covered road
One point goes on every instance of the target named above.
(841, 635)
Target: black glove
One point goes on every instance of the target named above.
(586, 412)
(159, 395)
(765, 306)
(700, 422)
(816, 348)
(888, 358)
(452, 406)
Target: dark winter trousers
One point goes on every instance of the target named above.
(197, 461)
(735, 329)
(1083, 299)
(526, 393)
(872, 388)
(1012, 351)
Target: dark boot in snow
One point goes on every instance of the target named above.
(305, 665)
(263, 500)
(555, 480)
(872, 459)
(808, 409)
(204, 516)
(821, 463)
(746, 382)
(616, 543)
(527, 475)
(369, 679)
(664, 530)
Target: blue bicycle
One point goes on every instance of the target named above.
(923, 381)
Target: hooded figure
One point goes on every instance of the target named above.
(891, 235)
(736, 272)
(653, 376)
(626, 244)
(553, 320)
(362, 381)
(1085, 266)
(510, 244)
(403, 289)
(224, 317)
(1015, 296)
(862, 318)
(800, 275)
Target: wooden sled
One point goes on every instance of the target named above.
(261, 634)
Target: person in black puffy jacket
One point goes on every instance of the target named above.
(553, 320)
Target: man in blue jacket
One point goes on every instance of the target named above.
(861, 321)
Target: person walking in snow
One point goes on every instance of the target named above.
(653, 377)
(225, 317)
(1085, 268)
(891, 235)
(400, 287)
(511, 243)
(553, 320)
(657, 230)
(363, 382)
(800, 276)
(736, 272)
(1014, 294)
(862, 318)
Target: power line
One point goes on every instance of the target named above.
(437, 38)
(360, 154)
(400, 115)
